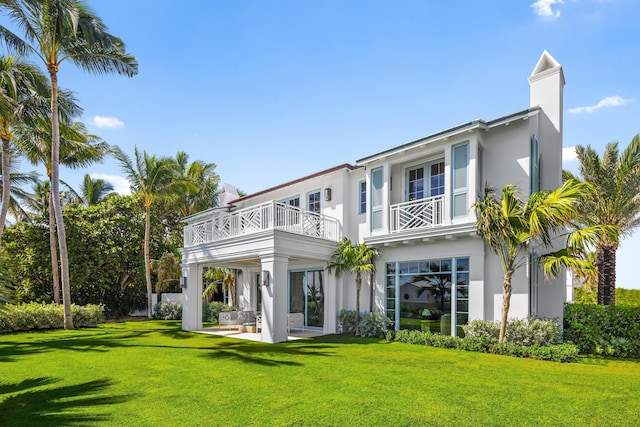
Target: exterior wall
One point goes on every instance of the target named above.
(499, 153)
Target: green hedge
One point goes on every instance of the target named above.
(24, 317)
(605, 330)
(557, 353)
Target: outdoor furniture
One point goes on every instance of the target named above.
(295, 320)
(236, 319)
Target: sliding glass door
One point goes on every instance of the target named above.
(306, 295)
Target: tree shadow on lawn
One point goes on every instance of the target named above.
(22, 404)
(268, 354)
(100, 343)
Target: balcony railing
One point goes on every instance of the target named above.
(416, 214)
(267, 216)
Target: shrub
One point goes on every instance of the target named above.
(527, 332)
(30, 316)
(485, 344)
(605, 330)
(166, 310)
(372, 325)
(211, 310)
(347, 322)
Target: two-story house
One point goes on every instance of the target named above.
(412, 202)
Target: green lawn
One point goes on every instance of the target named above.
(152, 373)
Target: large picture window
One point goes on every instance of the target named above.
(430, 295)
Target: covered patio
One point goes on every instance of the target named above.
(257, 336)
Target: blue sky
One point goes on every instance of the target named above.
(274, 90)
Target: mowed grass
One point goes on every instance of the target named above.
(154, 374)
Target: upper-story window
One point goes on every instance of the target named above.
(377, 180)
(313, 201)
(425, 180)
(362, 197)
(535, 164)
(292, 201)
(460, 178)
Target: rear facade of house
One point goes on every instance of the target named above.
(413, 203)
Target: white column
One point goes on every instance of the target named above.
(274, 298)
(191, 299)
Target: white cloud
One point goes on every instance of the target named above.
(609, 101)
(543, 9)
(569, 154)
(107, 122)
(120, 184)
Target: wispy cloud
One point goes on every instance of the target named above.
(609, 101)
(107, 122)
(569, 154)
(543, 9)
(120, 184)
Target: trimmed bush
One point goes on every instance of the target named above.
(526, 332)
(372, 325)
(347, 322)
(606, 330)
(166, 310)
(557, 353)
(24, 317)
(211, 310)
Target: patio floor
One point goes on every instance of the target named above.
(296, 334)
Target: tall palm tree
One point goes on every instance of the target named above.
(355, 259)
(78, 149)
(94, 190)
(615, 202)
(512, 229)
(153, 179)
(19, 199)
(205, 180)
(57, 31)
(23, 88)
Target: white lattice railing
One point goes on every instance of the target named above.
(267, 216)
(417, 214)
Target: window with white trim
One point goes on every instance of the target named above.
(362, 197)
(459, 179)
(377, 180)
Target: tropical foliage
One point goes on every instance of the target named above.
(220, 276)
(615, 178)
(56, 31)
(513, 229)
(353, 259)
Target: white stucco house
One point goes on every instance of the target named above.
(413, 203)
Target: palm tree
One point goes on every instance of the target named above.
(168, 270)
(153, 179)
(78, 149)
(22, 87)
(205, 180)
(616, 181)
(355, 259)
(224, 276)
(94, 191)
(19, 199)
(512, 228)
(57, 31)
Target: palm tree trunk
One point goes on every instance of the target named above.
(55, 267)
(506, 303)
(55, 193)
(606, 266)
(358, 287)
(6, 181)
(147, 256)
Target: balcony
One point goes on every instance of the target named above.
(417, 214)
(267, 216)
